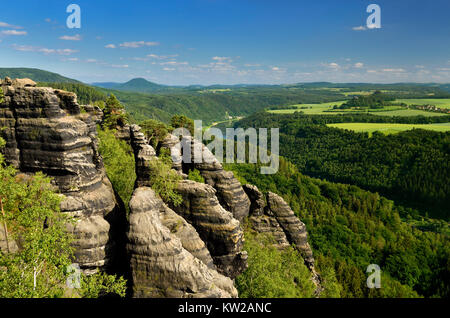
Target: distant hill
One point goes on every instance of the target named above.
(36, 75)
(140, 85)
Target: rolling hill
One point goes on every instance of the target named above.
(36, 75)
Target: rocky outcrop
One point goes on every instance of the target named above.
(229, 190)
(216, 226)
(45, 130)
(272, 215)
(161, 265)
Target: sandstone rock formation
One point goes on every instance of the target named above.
(217, 227)
(46, 131)
(229, 191)
(271, 214)
(161, 265)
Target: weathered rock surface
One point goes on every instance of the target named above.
(161, 265)
(229, 190)
(45, 131)
(217, 227)
(271, 214)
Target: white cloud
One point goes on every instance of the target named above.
(28, 48)
(333, 65)
(168, 69)
(275, 68)
(110, 46)
(420, 66)
(252, 65)
(444, 69)
(359, 28)
(359, 65)
(91, 61)
(119, 66)
(14, 32)
(371, 71)
(394, 70)
(161, 57)
(72, 59)
(222, 59)
(174, 63)
(138, 44)
(75, 37)
(7, 25)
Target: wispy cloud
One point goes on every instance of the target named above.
(10, 26)
(394, 70)
(359, 65)
(359, 28)
(14, 32)
(110, 46)
(120, 66)
(75, 37)
(28, 48)
(137, 44)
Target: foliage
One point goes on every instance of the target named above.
(155, 131)
(38, 245)
(114, 114)
(273, 273)
(119, 163)
(411, 167)
(164, 180)
(350, 228)
(195, 175)
(85, 94)
(30, 216)
(101, 285)
(181, 121)
(374, 101)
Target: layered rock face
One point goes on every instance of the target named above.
(217, 227)
(271, 214)
(229, 190)
(210, 238)
(45, 131)
(167, 258)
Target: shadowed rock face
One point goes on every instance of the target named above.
(161, 265)
(217, 228)
(45, 131)
(271, 214)
(229, 190)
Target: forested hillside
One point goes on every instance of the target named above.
(35, 74)
(411, 166)
(351, 228)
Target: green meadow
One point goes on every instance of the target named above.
(438, 102)
(327, 109)
(388, 128)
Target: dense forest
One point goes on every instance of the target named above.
(411, 166)
(351, 228)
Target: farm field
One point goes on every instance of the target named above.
(327, 109)
(388, 128)
(442, 103)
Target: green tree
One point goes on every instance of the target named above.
(114, 113)
(38, 247)
(164, 180)
(119, 163)
(155, 131)
(181, 121)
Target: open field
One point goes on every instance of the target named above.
(327, 109)
(389, 128)
(438, 102)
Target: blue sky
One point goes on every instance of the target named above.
(184, 42)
